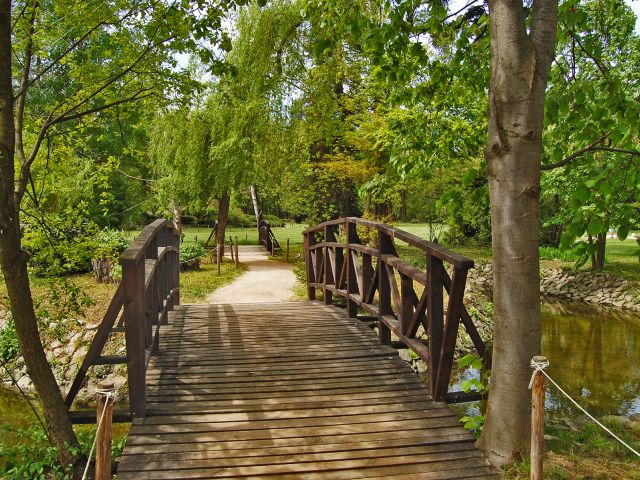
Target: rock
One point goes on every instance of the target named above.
(634, 417)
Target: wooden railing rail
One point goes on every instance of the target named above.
(149, 290)
(267, 238)
(339, 263)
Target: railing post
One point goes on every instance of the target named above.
(309, 240)
(175, 267)
(385, 246)
(352, 286)
(537, 417)
(328, 271)
(435, 316)
(133, 291)
(104, 416)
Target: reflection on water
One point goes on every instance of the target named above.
(14, 413)
(594, 355)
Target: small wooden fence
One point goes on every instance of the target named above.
(339, 263)
(149, 289)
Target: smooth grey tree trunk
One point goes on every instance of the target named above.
(520, 63)
(255, 199)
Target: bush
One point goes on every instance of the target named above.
(551, 253)
(274, 220)
(189, 251)
(61, 243)
(237, 217)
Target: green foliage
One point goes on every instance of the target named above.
(61, 243)
(9, 345)
(32, 458)
(191, 250)
(474, 423)
(550, 253)
(110, 243)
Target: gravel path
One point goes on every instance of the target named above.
(264, 281)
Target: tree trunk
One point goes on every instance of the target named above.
(520, 63)
(256, 204)
(597, 262)
(177, 218)
(13, 261)
(223, 219)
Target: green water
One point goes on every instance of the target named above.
(594, 355)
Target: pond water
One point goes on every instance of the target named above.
(594, 355)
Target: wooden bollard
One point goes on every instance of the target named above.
(246, 239)
(105, 397)
(537, 416)
(231, 246)
(287, 249)
(218, 249)
(236, 247)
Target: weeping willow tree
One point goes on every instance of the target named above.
(251, 141)
(179, 142)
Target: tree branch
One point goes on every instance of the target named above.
(26, 71)
(574, 155)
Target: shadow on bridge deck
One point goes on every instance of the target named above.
(289, 391)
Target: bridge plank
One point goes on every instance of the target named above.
(289, 391)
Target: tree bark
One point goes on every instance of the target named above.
(597, 259)
(223, 220)
(177, 218)
(13, 261)
(257, 209)
(520, 63)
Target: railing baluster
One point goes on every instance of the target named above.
(352, 274)
(435, 315)
(133, 290)
(385, 246)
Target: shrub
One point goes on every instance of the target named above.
(60, 243)
(237, 217)
(191, 250)
(551, 253)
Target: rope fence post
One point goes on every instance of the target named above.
(537, 386)
(236, 249)
(105, 397)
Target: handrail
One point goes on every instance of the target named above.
(149, 290)
(266, 237)
(366, 277)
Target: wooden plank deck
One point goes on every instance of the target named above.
(289, 391)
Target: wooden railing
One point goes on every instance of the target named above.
(267, 238)
(149, 289)
(339, 263)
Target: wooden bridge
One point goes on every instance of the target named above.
(294, 390)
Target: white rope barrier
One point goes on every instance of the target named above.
(110, 396)
(540, 367)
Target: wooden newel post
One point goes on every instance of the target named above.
(105, 397)
(236, 249)
(537, 416)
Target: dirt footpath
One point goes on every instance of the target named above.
(264, 281)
